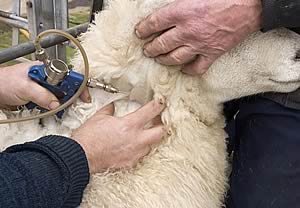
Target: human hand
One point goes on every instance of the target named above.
(16, 88)
(197, 32)
(112, 143)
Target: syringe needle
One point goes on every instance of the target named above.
(94, 83)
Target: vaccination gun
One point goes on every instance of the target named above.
(63, 82)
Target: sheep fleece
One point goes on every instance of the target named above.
(189, 168)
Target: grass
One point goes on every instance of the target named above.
(6, 34)
(6, 42)
(76, 19)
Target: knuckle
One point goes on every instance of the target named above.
(175, 57)
(124, 129)
(187, 34)
(127, 125)
(161, 42)
(156, 47)
(152, 21)
(155, 139)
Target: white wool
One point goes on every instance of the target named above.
(188, 169)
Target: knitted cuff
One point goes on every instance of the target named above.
(70, 158)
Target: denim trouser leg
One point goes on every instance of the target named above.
(266, 160)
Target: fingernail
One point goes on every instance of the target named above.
(161, 100)
(89, 99)
(169, 131)
(138, 33)
(54, 104)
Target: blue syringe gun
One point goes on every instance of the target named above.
(62, 82)
(63, 90)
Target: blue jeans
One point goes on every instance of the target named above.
(266, 157)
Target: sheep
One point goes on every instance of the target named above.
(189, 168)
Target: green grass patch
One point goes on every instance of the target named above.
(6, 34)
(78, 18)
(6, 41)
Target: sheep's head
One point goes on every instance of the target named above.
(264, 62)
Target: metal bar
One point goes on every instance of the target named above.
(47, 18)
(5, 14)
(15, 31)
(23, 60)
(14, 23)
(33, 25)
(13, 16)
(31, 18)
(28, 48)
(49, 14)
(96, 6)
(61, 22)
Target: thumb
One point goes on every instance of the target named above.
(199, 66)
(107, 110)
(42, 97)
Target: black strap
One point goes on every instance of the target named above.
(290, 100)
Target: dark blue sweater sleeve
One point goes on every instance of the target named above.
(51, 172)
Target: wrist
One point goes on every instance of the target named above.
(254, 14)
(257, 24)
(92, 158)
(249, 13)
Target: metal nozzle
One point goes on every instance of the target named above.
(56, 71)
(42, 55)
(93, 83)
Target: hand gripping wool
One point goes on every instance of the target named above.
(189, 168)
